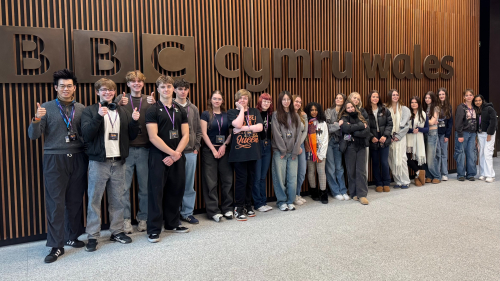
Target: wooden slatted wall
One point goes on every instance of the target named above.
(441, 27)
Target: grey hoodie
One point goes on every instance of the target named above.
(280, 142)
(194, 127)
(333, 124)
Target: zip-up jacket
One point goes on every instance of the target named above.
(93, 132)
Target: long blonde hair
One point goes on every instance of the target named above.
(299, 112)
(351, 95)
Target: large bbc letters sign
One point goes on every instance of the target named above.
(48, 56)
(34, 60)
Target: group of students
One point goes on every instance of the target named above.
(98, 148)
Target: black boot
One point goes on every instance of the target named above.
(314, 194)
(324, 197)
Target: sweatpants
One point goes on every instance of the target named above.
(311, 174)
(486, 149)
(212, 170)
(165, 191)
(245, 177)
(65, 178)
(355, 160)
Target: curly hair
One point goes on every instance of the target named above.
(321, 117)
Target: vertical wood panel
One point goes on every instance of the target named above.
(440, 27)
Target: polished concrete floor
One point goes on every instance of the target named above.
(448, 231)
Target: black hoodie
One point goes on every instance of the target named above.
(488, 121)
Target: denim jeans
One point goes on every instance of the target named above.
(259, 193)
(466, 153)
(380, 166)
(284, 178)
(334, 169)
(108, 175)
(189, 194)
(443, 151)
(433, 156)
(301, 169)
(138, 159)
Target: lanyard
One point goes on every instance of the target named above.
(132, 103)
(266, 124)
(187, 113)
(67, 119)
(169, 116)
(247, 117)
(221, 122)
(112, 123)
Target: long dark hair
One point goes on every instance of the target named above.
(282, 114)
(432, 106)
(321, 117)
(445, 105)
(345, 113)
(211, 110)
(419, 109)
(478, 109)
(368, 107)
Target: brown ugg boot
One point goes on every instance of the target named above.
(379, 189)
(421, 176)
(428, 180)
(417, 182)
(355, 198)
(387, 188)
(436, 181)
(363, 201)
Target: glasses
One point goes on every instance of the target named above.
(106, 90)
(65, 86)
(266, 102)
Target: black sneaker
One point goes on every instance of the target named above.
(250, 212)
(239, 214)
(471, 179)
(121, 237)
(91, 245)
(75, 243)
(461, 178)
(179, 229)
(153, 238)
(54, 254)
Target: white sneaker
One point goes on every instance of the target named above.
(488, 179)
(346, 197)
(284, 207)
(127, 226)
(298, 201)
(444, 178)
(262, 209)
(291, 207)
(217, 217)
(269, 208)
(142, 226)
(339, 197)
(481, 178)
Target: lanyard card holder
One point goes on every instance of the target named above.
(220, 139)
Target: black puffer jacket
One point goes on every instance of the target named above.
(355, 128)
(488, 119)
(385, 126)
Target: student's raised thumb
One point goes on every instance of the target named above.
(153, 94)
(135, 109)
(38, 104)
(99, 105)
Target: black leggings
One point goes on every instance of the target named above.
(413, 164)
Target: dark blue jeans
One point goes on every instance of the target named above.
(261, 167)
(466, 155)
(380, 166)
